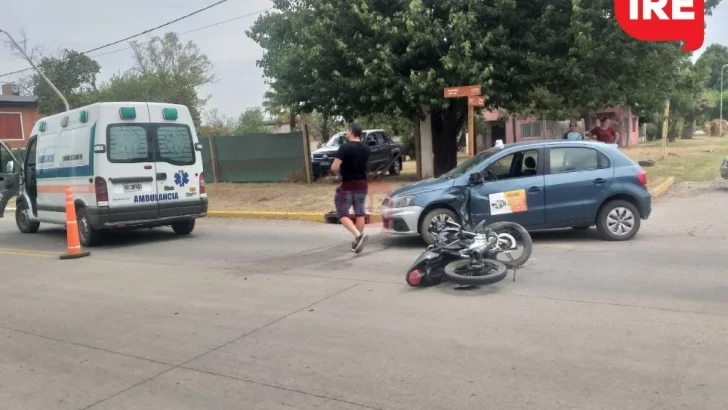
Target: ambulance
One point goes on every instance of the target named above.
(129, 165)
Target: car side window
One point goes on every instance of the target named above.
(371, 137)
(576, 159)
(516, 165)
(381, 138)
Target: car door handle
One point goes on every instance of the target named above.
(161, 176)
(600, 181)
(534, 189)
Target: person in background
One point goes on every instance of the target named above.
(351, 163)
(573, 134)
(604, 132)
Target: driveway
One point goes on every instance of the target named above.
(278, 315)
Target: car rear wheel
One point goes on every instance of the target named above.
(435, 221)
(618, 220)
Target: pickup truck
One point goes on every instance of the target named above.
(382, 151)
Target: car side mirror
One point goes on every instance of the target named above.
(319, 145)
(476, 178)
(10, 167)
(372, 143)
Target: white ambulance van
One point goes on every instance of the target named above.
(129, 165)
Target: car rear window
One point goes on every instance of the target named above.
(175, 145)
(128, 143)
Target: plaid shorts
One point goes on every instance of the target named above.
(344, 200)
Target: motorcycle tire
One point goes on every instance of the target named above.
(496, 271)
(527, 242)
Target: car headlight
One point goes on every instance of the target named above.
(401, 201)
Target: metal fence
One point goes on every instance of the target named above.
(253, 157)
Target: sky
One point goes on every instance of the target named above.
(82, 25)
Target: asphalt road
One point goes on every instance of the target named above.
(281, 315)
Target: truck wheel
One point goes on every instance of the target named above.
(396, 168)
(87, 235)
(184, 227)
(25, 225)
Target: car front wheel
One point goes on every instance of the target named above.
(435, 221)
(618, 220)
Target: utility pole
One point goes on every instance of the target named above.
(720, 122)
(665, 128)
(53, 87)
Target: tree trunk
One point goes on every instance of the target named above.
(325, 127)
(292, 118)
(446, 125)
(672, 131)
(689, 128)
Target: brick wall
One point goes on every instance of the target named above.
(29, 115)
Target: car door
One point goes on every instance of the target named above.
(9, 177)
(511, 190)
(383, 144)
(375, 151)
(576, 182)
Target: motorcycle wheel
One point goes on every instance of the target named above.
(504, 227)
(462, 273)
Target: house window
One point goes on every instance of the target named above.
(531, 130)
(11, 126)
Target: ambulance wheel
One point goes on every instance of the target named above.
(87, 235)
(25, 225)
(184, 227)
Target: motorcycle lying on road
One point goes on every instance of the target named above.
(469, 258)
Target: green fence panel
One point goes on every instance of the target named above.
(259, 157)
(206, 159)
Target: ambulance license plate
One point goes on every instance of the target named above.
(132, 187)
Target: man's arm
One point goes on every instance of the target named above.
(336, 166)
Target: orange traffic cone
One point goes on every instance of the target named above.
(74, 250)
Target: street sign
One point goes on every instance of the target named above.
(476, 101)
(466, 91)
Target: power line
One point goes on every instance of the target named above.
(150, 30)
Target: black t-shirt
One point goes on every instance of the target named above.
(354, 157)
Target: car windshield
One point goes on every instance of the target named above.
(471, 163)
(336, 140)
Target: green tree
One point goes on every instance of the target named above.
(688, 100)
(165, 70)
(215, 123)
(252, 121)
(73, 73)
(715, 56)
(359, 58)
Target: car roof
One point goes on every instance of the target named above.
(552, 142)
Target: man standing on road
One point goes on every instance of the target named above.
(351, 163)
(604, 133)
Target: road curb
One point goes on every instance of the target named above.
(300, 216)
(663, 187)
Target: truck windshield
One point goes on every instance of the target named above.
(336, 140)
(130, 143)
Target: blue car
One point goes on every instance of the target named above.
(539, 184)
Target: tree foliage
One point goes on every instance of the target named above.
(251, 121)
(373, 56)
(73, 73)
(165, 70)
(715, 57)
